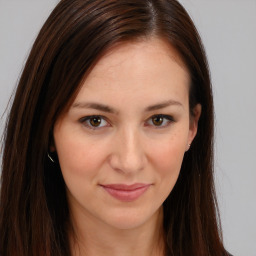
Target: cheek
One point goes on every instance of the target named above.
(77, 157)
(167, 159)
(168, 155)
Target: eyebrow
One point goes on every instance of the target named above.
(96, 106)
(163, 105)
(108, 109)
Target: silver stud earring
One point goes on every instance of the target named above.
(188, 146)
(50, 158)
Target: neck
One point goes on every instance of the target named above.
(88, 239)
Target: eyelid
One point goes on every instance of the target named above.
(86, 118)
(169, 119)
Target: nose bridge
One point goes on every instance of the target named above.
(129, 155)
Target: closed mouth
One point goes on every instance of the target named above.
(126, 193)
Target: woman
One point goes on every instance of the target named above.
(109, 143)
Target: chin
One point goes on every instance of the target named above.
(131, 219)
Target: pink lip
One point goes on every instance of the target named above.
(126, 193)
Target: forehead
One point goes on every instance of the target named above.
(143, 68)
(154, 50)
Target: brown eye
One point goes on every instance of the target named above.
(160, 121)
(157, 120)
(95, 121)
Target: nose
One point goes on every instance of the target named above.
(128, 155)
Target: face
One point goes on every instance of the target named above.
(121, 143)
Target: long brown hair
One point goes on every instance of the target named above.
(34, 214)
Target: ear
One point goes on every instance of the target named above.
(194, 118)
(51, 143)
(52, 148)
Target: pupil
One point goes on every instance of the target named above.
(157, 120)
(95, 121)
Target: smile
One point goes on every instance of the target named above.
(126, 193)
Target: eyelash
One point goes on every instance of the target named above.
(85, 121)
(167, 119)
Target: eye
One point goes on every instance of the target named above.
(94, 122)
(160, 121)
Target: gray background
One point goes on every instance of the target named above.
(228, 29)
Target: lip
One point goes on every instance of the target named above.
(126, 193)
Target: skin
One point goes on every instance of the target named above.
(127, 147)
